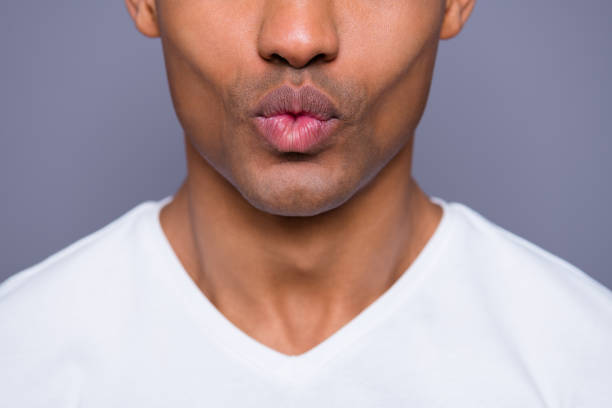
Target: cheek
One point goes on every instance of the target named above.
(199, 65)
(197, 47)
(206, 43)
(401, 37)
(382, 37)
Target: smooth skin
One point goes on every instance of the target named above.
(290, 247)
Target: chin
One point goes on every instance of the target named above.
(299, 199)
(292, 208)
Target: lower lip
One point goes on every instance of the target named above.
(301, 134)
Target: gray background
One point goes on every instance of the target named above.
(518, 125)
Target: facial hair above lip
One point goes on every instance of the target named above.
(306, 100)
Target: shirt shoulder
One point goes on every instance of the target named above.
(70, 312)
(67, 290)
(506, 256)
(555, 317)
(100, 248)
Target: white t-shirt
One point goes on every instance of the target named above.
(482, 318)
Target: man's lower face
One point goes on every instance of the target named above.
(303, 184)
(289, 158)
(294, 183)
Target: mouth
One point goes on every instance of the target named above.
(299, 134)
(299, 121)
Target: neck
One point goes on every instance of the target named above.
(298, 278)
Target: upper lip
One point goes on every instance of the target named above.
(306, 100)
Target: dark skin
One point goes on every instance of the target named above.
(291, 249)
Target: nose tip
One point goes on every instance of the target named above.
(298, 33)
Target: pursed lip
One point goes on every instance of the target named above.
(307, 101)
(300, 121)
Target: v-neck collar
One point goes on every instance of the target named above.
(283, 368)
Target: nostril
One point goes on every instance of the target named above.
(277, 58)
(320, 56)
